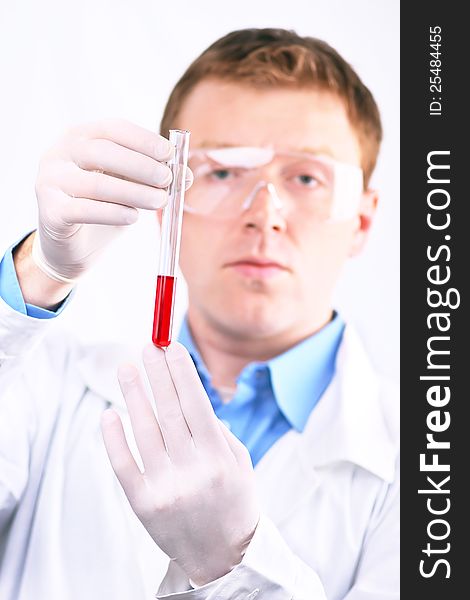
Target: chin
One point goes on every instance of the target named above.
(249, 311)
(256, 320)
(252, 330)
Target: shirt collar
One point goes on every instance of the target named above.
(301, 374)
(185, 338)
(312, 361)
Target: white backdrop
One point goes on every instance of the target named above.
(64, 62)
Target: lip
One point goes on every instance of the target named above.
(257, 267)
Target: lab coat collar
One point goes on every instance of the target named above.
(353, 421)
(349, 425)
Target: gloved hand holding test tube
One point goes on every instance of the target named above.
(172, 219)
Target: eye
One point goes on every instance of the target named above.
(307, 181)
(220, 174)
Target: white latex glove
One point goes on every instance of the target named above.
(196, 496)
(89, 188)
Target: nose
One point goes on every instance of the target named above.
(262, 208)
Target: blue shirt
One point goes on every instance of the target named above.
(274, 396)
(271, 397)
(10, 290)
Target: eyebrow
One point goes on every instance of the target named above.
(323, 150)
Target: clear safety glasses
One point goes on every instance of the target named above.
(227, 181)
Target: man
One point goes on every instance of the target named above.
(284, 139)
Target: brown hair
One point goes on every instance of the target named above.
(265, 58)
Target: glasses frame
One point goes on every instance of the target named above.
(271, 154)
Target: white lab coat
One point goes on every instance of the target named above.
(329, 496)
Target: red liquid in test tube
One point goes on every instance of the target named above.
(163, 314)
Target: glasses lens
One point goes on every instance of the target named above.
(225, 179)
(218, 188)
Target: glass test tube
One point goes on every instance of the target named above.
(172, 219)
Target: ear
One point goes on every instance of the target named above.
(367, 208)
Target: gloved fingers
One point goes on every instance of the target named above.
(107, 188)
(129, 135)
(173, 424)
(188, 180)
(238, 449)
(87, 211)
(147, 433)
(195, 404)
(120, 457)
(113, 159)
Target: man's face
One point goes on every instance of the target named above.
(231, 284)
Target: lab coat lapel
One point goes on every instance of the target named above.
(352, 420)
(348, 424)
(284, 479)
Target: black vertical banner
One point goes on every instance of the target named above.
(435, 268)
